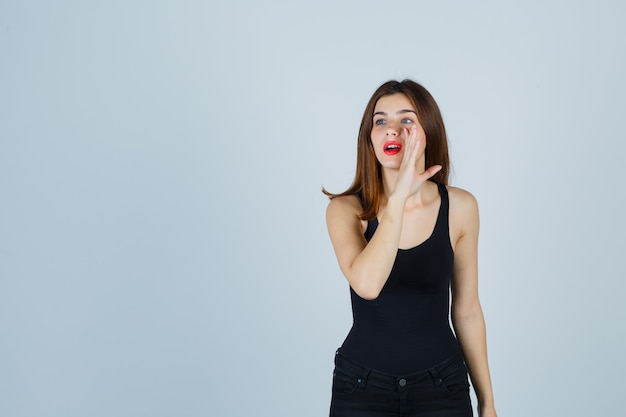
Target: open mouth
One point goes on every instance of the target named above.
(392, 147)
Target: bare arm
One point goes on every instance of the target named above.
(467, 315)
(365, 265)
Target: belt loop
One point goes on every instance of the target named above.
(435, 375)
(363, 378)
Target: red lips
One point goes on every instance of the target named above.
(391, 147)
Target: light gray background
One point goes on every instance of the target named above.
(163, 249)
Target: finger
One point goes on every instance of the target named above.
(416, 150)
(411, 155)
(411, 135)
(412, 141)
(411, 150)
(430, 172)
(409, 146)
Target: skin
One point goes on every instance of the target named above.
(407, 217)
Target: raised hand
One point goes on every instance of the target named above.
(409, 178)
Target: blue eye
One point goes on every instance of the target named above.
(379, 122)
(406, 120)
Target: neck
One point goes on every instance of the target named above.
(389, 181)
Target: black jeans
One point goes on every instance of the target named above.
(442, 390)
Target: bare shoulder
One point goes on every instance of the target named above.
(463, 213)
(344, 206)
(462, 201)
(343, 214)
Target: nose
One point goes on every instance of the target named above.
(392, 131)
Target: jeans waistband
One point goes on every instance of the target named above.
(426, 376)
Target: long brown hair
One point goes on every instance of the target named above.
(368, 181)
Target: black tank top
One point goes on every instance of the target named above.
(407, 329)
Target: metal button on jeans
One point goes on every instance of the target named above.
(402, 382)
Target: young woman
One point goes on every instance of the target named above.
(403, 239)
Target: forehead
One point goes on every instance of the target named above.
(393, 103)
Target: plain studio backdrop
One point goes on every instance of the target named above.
(163, 248)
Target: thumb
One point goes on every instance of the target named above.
(430, 172)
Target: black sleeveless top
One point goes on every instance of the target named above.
(407, 329)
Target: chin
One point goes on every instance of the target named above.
(390, 164)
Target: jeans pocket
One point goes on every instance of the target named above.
(454, 379)
(345, 383)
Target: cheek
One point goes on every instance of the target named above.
(374, 138)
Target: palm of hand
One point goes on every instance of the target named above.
(409, 178)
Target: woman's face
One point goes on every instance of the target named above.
(393, 118)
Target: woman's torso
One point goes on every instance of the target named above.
(407, 328)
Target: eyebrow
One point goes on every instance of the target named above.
(398, 112)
